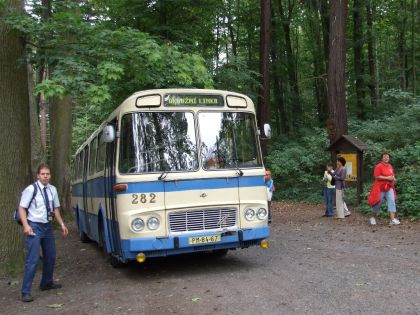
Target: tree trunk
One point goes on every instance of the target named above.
(325, 18)
(358, 59)
(282, 123)
(319, 69)
(401, 46)
(413, 47)
(337, 116)
(233, 38)
(264, 93)
(163, 19)
(36, 153)
(371, 55)
(15, 165)
(217, 44)
(291, 67)
(60, 141)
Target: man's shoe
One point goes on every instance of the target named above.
(26, 298)
(395, 221)
(50, 286)
(372, 221)
(348, 214)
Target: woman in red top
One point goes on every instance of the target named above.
(383, 188)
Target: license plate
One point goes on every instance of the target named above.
(204, 239)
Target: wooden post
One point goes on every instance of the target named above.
(359, 176)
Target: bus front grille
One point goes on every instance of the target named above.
(198, 220)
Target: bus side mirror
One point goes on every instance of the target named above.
(267, 131)
(108, 134)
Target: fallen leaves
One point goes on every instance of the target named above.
(55, 306)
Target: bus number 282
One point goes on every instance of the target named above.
(143, 198)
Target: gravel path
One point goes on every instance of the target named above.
(314, 266)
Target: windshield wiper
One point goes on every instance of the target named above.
(163, 175)
(240, 173)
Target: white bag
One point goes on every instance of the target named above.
(269, 194)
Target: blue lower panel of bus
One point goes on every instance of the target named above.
(173, 245)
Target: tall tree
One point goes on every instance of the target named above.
(372, 82)
(291, 62)
(413, 47)
(401, 45)
(358, 59)
(60, 140)
(264, 94)
(15, 165)
(319, 64)
(337, 116)
(282, 123)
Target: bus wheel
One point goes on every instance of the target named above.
(115, 262)
(102, 242)
(83, 237)
(220, 253)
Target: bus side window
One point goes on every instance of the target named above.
(77, 168)
(100, 165)
(92, 157)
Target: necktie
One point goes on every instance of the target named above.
(47, 200)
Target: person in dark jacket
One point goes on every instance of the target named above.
(340, 177)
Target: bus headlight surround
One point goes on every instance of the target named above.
(262, 213)
(249, 214)
(137, 225)
(153, 223)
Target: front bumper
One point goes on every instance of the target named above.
(179, 244)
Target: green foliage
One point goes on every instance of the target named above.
(298, 165)
(236, 76)
(98, 64)
(50, 88)
(408, 187)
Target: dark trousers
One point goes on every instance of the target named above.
(44, 239)
(329, 197)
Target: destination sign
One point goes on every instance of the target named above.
(193, 100)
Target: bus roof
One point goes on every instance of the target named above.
(131, 101)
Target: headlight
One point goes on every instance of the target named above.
(262, 213)
(153, 223)
(249, 214)
(137, 225)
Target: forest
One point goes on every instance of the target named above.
(317, 69)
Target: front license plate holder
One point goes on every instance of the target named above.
(205, 239)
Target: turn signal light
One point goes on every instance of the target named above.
(120, 187)
(264, 244)
(141, 258)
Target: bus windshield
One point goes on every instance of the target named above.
(157, 142)
(228, 140)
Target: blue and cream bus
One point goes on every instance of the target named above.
(173, 171)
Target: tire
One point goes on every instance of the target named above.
(220, 253)
(115, 262)
(102, 242)
(83, 237)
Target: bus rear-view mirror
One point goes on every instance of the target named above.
(267, 131)
(108, 134)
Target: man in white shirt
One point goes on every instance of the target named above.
(36, 213)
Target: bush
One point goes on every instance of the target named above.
(297, 163)
(407, 186)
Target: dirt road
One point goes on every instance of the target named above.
(314, 266)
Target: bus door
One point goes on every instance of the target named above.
(110, 198)
(85, 192)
